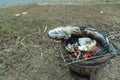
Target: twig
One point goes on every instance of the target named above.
(45, 29)
(22, 43)
(55, 47)
(39, 31)
(43, 37)
(64, 74)
(115, 35)
(4, 45)
(17, 40)
(41, 53)
(31, 34)
(22, 39)
(114, 32)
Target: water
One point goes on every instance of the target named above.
(20, 2)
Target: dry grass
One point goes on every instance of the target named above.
(27, 53)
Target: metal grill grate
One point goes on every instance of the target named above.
(69, 58)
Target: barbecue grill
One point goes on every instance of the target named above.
(86, 69)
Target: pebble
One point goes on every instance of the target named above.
(101, 12)
(24, 13)
(17, 15)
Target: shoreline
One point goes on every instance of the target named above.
(81, 3)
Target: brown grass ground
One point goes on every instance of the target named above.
(27, 53)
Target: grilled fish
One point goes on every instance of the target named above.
(96, 35)
(63, 32)
(88, 46)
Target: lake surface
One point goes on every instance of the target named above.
(20, 2)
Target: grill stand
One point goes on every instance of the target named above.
(90, 68)
(80, 73)
(87, 70)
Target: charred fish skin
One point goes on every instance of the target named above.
(56, 36)
(96, 35)
(63, 32)
(70, 30)
(56, 33)
(106, 40)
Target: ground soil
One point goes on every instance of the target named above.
(26, 51)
